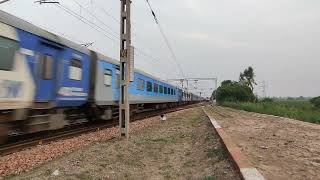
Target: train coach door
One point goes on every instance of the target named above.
(117, 84)
(47, 73)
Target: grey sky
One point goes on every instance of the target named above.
(279, 38)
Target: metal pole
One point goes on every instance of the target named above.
(264, 86)
(125, 50)
(216, 83)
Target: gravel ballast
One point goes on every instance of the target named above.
(27, 159)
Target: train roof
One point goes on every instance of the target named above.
(14, 21)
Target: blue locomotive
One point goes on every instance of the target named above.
(48, 82)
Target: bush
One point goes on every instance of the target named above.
(300, 110)
(316, 101)
(230, 91)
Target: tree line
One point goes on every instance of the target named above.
(237, 91)
(242, 90)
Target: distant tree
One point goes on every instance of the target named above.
(316, 101)
(232, 91)
(290, 98)
(214, 95)
(266, 100)
(247, 78)
(227, 82)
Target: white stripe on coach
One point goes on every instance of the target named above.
(8, 32)
(27, 52)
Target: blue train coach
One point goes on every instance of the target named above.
(47, 81)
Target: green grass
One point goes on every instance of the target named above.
(217, 152)
(208, 178)
(295, 109)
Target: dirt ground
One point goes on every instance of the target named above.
(183, 147)
(279, 148)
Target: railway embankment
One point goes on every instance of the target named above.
(280, 148)
(185, 146)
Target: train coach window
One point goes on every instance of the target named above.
(155, 88)
(161, 89)
(174, 92)
(140, 85)
(149, 86)
(7, 51)
(165, 90)
(46, 65)
(171, 91)
(107, 77)
(75, 70)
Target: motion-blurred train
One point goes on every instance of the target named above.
(48, 82)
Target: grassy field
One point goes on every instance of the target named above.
(295, 109)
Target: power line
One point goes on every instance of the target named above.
(165, 39)
(117, 34)
(134, 35)
(147, 55)
(91, 24)
(4, 1)
(101, 30)
(69, 37)
(118, 21)
(86, 21)
(109, 14)
(47, 2)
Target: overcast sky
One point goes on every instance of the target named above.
(211, 38)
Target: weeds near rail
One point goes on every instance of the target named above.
(300, 110)
(217, 152)
(208, 178)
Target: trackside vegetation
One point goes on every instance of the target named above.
(237, 91)
(316, 102)
(295, 109)
(239, 95)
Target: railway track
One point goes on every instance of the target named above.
(224, 115)
(47, 137)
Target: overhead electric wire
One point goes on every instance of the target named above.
(108, 14)
(118, 21)
(165, 39)
(69, 37)
(101, 30)
(117, 34)
(4, 1)
(106, 33)
(147, 55)
(115, 19)
(97, 28)
(86, 21)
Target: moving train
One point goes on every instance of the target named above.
(48, 82)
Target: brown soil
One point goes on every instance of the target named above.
(280, 148)
(183, 147)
